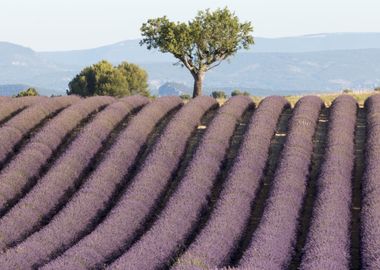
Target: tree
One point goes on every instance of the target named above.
(136, 77)
(201, 44)
(105, 79)
(347, 91)
(185, 96)
(219, 94)
(28, 92)
(237, 92)
(377, 89)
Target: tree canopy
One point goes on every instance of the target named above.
(105, 79)
(200, 44)
(219, 94)
(136, 77)
(28, 92)
(237, 92)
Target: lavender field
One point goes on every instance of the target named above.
(133, 183)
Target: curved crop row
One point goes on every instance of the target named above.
(134, 205)
(16, 128)
(10, 106)
(46, 195)
(170, 230)
(35, 153)
(143, 191)
(213, 245)
(272, 241)
(370, 214)
(328, 243)
(94, 193)
(3, 99)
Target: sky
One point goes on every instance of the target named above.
(50, 25)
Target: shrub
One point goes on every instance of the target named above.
(102, 79)
(30, 92)
(218, 94)
(185, 96)
(237, 92)
(348, 91)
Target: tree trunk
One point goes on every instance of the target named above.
(198, 81)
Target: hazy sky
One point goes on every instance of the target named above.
(77, 24)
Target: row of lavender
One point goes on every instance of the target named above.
(49, 190)
(328, 240)
(328, 243)
(182, 211)
(370, 218)
(213, 245)
(15, 129)
(11, 106)
(169, 204)
(134, 205)
(62, 229)
(2, 99)
(41, 146)
(271, 243)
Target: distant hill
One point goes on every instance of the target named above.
(126, 50)
(131, 50)
(292, 65)
(21, 65)
(173, 89)
(12, 89)
(318, 42)
(286, 73)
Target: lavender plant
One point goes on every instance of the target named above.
(38, 150)
(135, 203)
(94, 193)
(8, 107)
(96, 229)
(3, 99)
(130, 212)
(328, 243)
(46, 194)
(14, 130)
(213, 245)
(370, 213)
(182, 210)
(272, 241)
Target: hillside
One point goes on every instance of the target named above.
(130, 49)
(286, 66)
(266, 74)
(138, 184)
(12, 89)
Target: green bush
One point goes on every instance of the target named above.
(28, 92)
(218, 94)
(237, 92)
(185, 96)
(348, 91)
(104, 79)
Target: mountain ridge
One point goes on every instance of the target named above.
(288, 65)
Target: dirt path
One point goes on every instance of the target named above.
(357, 175)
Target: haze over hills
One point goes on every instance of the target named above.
(290, 65)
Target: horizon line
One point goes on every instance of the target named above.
(132, 39)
